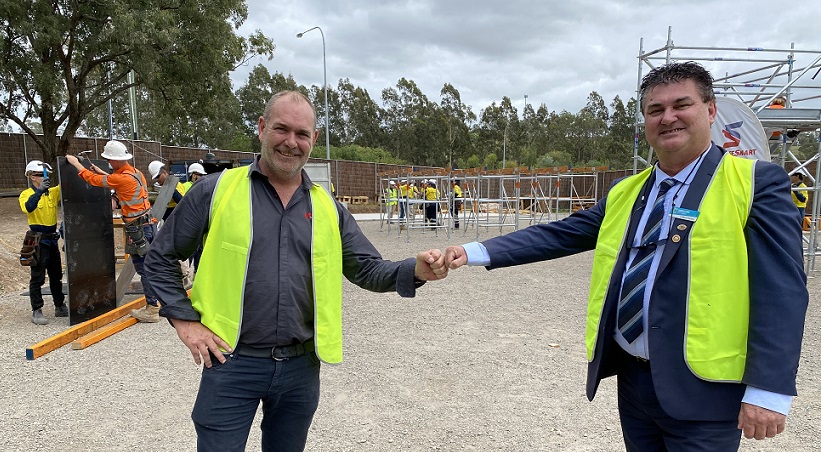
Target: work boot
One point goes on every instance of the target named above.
(148, 314)
(38, 318)
(61, 311)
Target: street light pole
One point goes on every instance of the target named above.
(504, 146)
(325, 90)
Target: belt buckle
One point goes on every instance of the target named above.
(276, 358)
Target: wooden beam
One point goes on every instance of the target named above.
(53, 343)
(102, 333)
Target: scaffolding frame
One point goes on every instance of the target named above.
(770, 73)
(491, 198)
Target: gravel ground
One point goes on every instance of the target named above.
(481, 361)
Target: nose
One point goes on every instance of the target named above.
(669, 116)
(289, 139)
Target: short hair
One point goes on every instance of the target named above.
(293, 95)
(780, 100)
(676, 73)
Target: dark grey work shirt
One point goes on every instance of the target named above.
(278, 306)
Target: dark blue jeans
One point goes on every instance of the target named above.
(230, 394)
(149, 229)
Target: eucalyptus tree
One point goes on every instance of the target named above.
(458, 118)
(360, 116)
(61, 60)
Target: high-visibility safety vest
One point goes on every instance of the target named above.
(391, 196)
(219, 289)
(718, 306)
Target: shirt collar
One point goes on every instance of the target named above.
(306, 181)
(685, 176)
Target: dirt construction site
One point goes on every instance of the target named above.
(480, 361)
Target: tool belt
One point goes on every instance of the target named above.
(135, 242)
(30, 252)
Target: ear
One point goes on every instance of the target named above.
(712, 110)
(316, 135)
(260, 125)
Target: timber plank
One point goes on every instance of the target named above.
(58, 340)
(102, 333)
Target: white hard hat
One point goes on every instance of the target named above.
(392, 183)
(196, 168)
(35, 166)
(154, 168)
(114, 150)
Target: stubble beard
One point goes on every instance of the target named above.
(277, 170)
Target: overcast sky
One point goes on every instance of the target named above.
(555, 52)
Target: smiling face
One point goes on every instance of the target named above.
(677, 123)
(287, 134)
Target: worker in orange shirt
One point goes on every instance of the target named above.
(131, 189)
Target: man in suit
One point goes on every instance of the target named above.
(697, 301)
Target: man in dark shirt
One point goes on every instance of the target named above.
(273, 352)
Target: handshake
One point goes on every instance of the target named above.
(432, 265)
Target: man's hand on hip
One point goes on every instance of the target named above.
(199, 339)
(760, 423)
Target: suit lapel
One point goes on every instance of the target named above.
(680, 228)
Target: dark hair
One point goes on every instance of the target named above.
(799, 175)
(676, 73)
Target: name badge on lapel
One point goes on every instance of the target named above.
(685, 214)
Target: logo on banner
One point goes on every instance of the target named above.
(734, 136)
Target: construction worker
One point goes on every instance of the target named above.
(404, 189)
(391, 196)
(159, 173)
(132, 191)
(39, 203)
(456, 201)
(195, 173)
(431, 193)
(799, 196)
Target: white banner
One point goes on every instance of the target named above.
(738, 130)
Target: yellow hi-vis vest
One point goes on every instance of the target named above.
(718, 302)
(219, 289)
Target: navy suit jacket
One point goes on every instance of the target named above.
(778, 293)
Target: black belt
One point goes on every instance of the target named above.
(279, 353)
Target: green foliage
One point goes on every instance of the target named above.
(62, 60)
(472, 162)
(360, 154)
(491, 161)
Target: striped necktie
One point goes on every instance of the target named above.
(630, 316)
